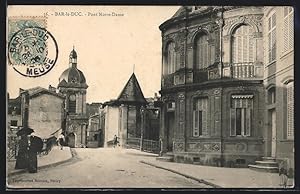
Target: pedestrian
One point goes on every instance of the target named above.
(283, 174)
(35, 145)
(61, 140)
(115, 141)
(22, 157)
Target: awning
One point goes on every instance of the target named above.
(242, 96)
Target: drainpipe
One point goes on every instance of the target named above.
(221, 23)
(185, 72)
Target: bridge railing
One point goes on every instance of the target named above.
(147, 144)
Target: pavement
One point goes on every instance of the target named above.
(55, 157)
(119, 168)
(221, 177)
(103, 168)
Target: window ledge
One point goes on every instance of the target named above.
(271, 63)
(285, 53)
(287, 140)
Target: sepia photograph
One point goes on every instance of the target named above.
(167, 97)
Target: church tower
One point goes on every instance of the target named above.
(72, 85)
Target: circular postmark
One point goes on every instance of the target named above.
(32, 51)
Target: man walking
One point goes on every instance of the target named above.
(61, 140)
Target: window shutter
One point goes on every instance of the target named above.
(285, 34)
(273, 44)
(291, 31)
(232, 122)
(290, 110)
(248, 121)
(204, 122)
(195, 123)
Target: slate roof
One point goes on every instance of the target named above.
(132, 93)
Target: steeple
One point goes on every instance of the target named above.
(73, 58)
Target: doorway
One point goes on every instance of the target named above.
(272, 121)
(71, 140)
(170, 130)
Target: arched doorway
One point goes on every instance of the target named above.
(71, 140)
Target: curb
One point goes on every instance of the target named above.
(182, 174)
(21, 171)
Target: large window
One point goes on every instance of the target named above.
(288, 29)
(272, 38)
(241, 115)
(290, 110)
(170, 58)
(201, 51)
(200, 117)
(243, 44)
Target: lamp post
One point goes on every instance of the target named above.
(142, 127)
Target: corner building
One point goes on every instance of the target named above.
(212, 85)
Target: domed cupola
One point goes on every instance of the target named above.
(72, 77)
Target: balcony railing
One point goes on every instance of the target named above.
(243, 70)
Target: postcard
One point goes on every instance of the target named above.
(117, 97)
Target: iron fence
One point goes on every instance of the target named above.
(148, 145)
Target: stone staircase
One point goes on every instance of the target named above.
(166, 157)
(267, 164)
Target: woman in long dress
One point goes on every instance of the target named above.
(35, 145)
(22, 157)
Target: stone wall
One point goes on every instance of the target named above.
(45, 114)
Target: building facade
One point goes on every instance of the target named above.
(72, 84)
(279, 83)
(123, 116)
(94, 133)
(42, 110)
(213, 88)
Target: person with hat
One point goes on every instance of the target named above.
(35, 145)
(22, 157)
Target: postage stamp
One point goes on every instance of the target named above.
(32, 49)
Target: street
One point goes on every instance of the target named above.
(104, 168)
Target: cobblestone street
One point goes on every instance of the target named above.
(104, 168)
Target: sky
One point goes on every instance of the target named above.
(109, 48)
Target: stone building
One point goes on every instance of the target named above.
(279, 83)
(94, 132)
(213, 85)
(42, 110)
(14, 112)
(72, 84)
(122, 117)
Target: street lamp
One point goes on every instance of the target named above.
(142, 127)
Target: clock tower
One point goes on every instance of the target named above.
(72, 85)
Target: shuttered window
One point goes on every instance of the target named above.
(241, 115)
(288, 29)
(243, 45)
(272, 38)
(200, 117)
(171, 58)
(201, 51)
(290, 110)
